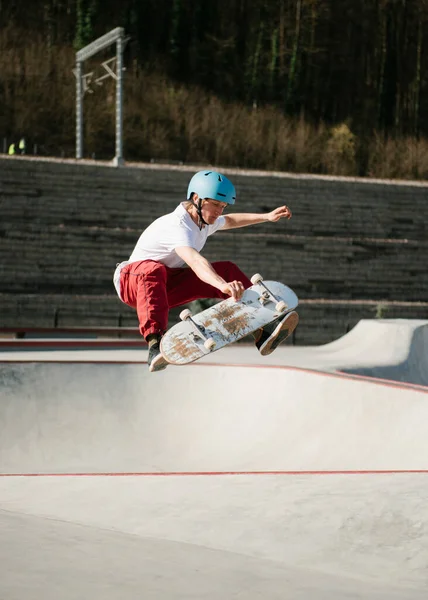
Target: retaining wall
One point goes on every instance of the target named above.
(353, 249)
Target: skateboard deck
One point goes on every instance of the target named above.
(226, 322)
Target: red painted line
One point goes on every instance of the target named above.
(223, 473)
(388, 382)
(55, 331)
(72, 362)
(338, 374)
(79, 344)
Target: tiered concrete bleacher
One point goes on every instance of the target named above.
(354, 249)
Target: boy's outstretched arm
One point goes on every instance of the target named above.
(245, 219)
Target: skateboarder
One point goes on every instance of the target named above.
(157, 276)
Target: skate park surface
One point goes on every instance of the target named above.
(302, 475)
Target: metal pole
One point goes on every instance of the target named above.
(79, 110)
(119, 102)
(116, 35)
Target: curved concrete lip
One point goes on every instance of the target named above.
(217, 481)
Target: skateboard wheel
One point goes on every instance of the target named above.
(281, 306)
(185, 314)
(209, 344)
(257, 278)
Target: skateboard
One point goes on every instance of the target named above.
(226, 322)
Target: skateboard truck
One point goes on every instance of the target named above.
(267, 295)
(209, 343)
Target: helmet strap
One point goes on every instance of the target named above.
(198, 207)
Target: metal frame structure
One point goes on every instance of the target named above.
(116, 36)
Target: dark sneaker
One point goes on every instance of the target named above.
(276, 332)
(155, 359)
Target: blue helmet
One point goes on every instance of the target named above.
(210, 184)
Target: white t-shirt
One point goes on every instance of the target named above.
(161, 238)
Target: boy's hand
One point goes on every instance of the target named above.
(234, 289)
(282, 212)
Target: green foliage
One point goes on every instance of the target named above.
(175, 24)
(312, 85)
(381, 310)
(340, 157)
(86, 11)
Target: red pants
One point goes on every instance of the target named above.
(152, 288)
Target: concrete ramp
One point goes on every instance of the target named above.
(390, 349)
(214, 481)
(95, 418)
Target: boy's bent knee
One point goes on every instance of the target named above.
(225, 266)
(230, 271)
